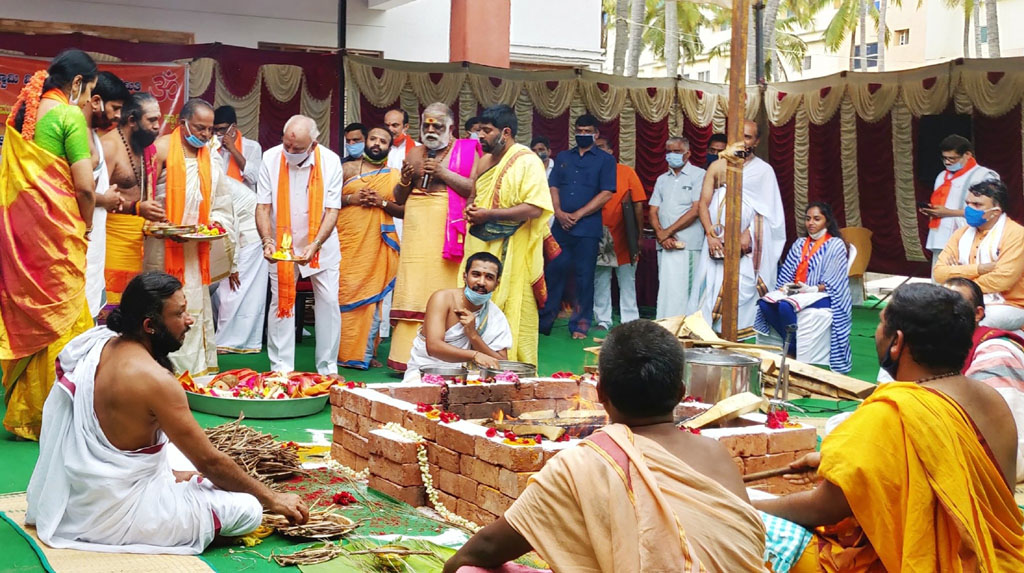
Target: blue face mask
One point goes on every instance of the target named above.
(475, 298)
(712, 157)
(584, 140)
(955, 167)
(191, 138)
(675, 160)
(355, 149)
(974, 217)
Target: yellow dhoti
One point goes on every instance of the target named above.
(422, 270)
(124, 254)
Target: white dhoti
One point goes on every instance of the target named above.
(241, 311)
(628, 310)
(680, 282)
(96, 255)
(494, 330)
(281, 331)
(86, 494)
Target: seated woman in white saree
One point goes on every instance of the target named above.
(814, 295)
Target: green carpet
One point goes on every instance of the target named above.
(557, 352)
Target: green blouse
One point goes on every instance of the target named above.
(63, 132)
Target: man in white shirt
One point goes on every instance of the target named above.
(542, 147)
(397, 122)
(241, 155)
(311, 188)
(946, 206)
(675, 218)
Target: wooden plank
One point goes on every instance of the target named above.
(31, 27)
(732, 407)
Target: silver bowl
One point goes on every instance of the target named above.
(521, 369)
(449, 373)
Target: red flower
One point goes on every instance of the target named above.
(538, 438)
(777, 419)
(350, 385)
(510, 435)
(491, 432)
(563, 438)
(343, 498)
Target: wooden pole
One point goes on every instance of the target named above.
(734, 171)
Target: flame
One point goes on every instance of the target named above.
(580, 403)
(286, 242)
(499, 416)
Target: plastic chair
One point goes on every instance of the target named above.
(859, 239)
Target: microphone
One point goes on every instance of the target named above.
(431, 153)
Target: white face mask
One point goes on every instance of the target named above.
(819, 234)
(295, 159)
(74, 100)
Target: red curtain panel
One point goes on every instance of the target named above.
(997, 144)
(650, 150)
(824, 174)
(780, 157)
(273, 115)
(554, 128)
(698, 138)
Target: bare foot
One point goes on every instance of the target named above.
(376, 363)
(578, 336)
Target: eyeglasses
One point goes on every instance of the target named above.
(199, 130)
(951, 160)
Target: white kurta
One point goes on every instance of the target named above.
(253, 154)
(240, 313)
(396, 157)
(95, 256)
(760, 197)
(497, 335)
(937, 238)
(86, 494)
(680, 274)
(198, 354)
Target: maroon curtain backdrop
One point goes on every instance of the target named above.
(997, 143)
(650, 150)
(698, 138)
(554, 128)
(273, 115)
(610, 130)
(371, 115)
(780, 156)
(922, 192)
(824, 171)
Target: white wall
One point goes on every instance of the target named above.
(564, 32)
(416, 32)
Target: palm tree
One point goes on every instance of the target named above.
(689, 19)
(976, 14)
(771, 12)
(883, 33)
(636, 18)
(845, 23)
(992, 22)
(621, 36)
(671, 38)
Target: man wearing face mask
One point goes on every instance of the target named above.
(989, 251)
(436, 179)
(509, 219)
(542, 147)
(298, 198)
(193, 189)
(674, 212)
(946, 206)
(355, 142)
(369, 247)
(463, 325)
(108, 98)
(240, 155)
(582, 181)
(716, 145)
(130, 156)
(473, 127)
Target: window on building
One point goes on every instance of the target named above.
(704, 76)
(807, 63)
(984, 34)
(902, 37)
(871, 57)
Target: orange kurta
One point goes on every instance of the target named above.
(626, 181)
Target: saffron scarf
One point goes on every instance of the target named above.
(806, 254)
(315, 192)
(234, 171)
(402, 140)
(464, 152)
(174, 257)
(942, 192)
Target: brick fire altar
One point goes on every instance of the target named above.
(477, 476)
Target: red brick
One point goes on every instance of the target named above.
(350, 400)
(778, 486)
(521, 406)
(506, 392)
(468, 394)
(381, 388)
(435, 475)
(347, 458)
(400, 474)
(420, 424)
(479, 470)
(769, 462)
(415, 496)
(739, 463)
(459, 409)
(384, 412)
(792, 440)
(492, 500)
(355, 443)
(450, 502)
(515, 458)
(486, 410)
(745, 445)
(563, 405)
(588, 391)
(343, 418)
(366, 425)
(442, 456)
(390, 445)
(555, 389)
(337, 434)
(687, 410)
(336, 393)
(453, 438)
(512, 483)
(458, 485)
(473, 513)
(416, 393)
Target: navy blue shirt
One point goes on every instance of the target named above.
(579, 178)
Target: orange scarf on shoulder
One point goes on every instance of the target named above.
(174, 253)
(315, 192)
(233, 170)
(805, 256)
(940, 194)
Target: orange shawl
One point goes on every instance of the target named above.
(315, 191)
(806, 254)
(942, 191)
(174, 258)
(234, 171)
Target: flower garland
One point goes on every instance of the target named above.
(29, 97)
(333, 465)
(428, 481)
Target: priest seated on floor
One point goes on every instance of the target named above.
(638, 494)
(814, 295)
(463, 325)
(103, 480)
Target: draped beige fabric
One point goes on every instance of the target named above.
(551, 102)
(282, 82)
(801, 154)
(652, 108)
(605, 105)
(200, 74)
(903, 169)
(848, 155)
(320, 111)
(247, 107)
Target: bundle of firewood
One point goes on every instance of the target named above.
(259, 454)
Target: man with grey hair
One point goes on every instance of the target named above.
(435, 182)
(674, 216)
(192, 188)
(297, 200)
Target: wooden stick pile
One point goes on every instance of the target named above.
(259, 454)
(323, 524)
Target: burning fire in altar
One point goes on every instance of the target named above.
(578, 421)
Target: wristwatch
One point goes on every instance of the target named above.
(383, 203)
